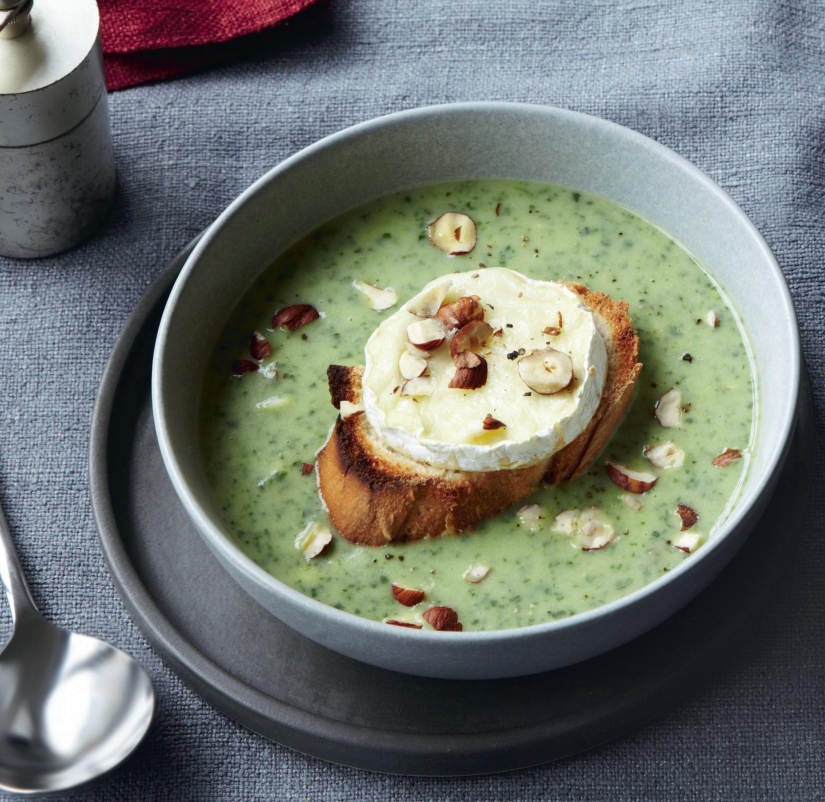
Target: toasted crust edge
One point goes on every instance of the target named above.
(616, 329)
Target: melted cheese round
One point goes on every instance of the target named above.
(445, 429)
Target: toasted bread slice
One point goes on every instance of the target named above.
(375, 496)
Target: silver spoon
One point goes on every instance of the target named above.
(72, 707)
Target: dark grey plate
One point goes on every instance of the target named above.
(276, 682)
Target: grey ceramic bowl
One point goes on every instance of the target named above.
(491, 140)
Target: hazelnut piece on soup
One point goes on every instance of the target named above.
(454, 233)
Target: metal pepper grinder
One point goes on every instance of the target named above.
(57, 167)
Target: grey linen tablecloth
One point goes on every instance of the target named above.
(736, 87)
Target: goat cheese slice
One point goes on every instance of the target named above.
(444, 429)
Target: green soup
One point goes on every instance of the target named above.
(254, 447)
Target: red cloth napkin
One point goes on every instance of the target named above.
(148, 40)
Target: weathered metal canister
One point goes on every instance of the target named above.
(57, 168)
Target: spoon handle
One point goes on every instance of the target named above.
(11, 572)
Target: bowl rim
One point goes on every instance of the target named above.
(231, 555)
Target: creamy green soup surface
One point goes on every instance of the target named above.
(254, 449)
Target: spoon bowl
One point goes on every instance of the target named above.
(72, 707)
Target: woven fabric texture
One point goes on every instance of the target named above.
(737, 88)
(148, 41)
